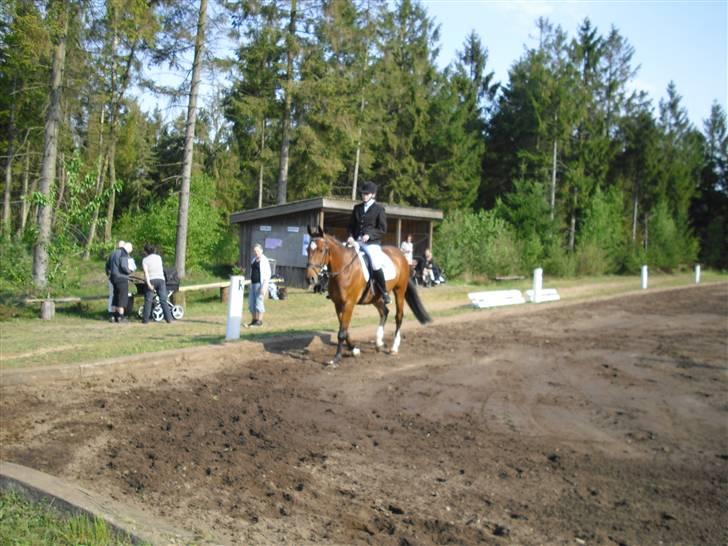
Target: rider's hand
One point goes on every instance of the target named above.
(350, 241)
(364, 238)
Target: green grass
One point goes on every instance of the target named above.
(38, 523)
(80, 333)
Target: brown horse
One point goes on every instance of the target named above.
(348, 287)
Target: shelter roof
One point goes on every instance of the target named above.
(330, 204)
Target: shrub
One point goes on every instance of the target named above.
(602, 235)
(208, 235)
(477, 244)
(15, 266)
(670, 242)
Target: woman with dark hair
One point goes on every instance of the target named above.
(154, 276)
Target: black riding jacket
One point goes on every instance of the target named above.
(373, 223)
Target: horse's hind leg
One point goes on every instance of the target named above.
(399, 297)
(383, 312)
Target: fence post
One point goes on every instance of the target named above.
(644, 277)
(537, 284)
(235, 307)
(697, 274)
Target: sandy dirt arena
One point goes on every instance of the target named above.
(594, 423)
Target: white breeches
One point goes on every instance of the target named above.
(375, 253)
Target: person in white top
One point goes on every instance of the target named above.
(154, 277)
(407, 248)
(260, 275)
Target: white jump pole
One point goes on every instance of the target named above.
(235, 307)
(697, 274)
(644, 277)
(537, 284)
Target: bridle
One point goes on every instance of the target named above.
(319, 266)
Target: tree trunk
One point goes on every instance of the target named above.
(552, 201)
(95, 219)
(25, 197)
(100, 170)
(355, 182)
(635, 209)
(260, 171)
(9, 166)
(61, 188)
(572, 224)
(286, 121)
(48, 164)
(110, 206)
(184, 194)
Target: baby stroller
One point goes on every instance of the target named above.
(172, 282)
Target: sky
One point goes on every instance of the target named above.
(685, 41)
(681, 41)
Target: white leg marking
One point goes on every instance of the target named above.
(395, 343)
(355, 351)
(380, 336)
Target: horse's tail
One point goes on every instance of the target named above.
(415, 303)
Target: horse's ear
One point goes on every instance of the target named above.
(321, 230)
(310, 232)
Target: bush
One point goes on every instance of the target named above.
(558, 261)
(670, 244)
(601, 241)
(477, 244)
(15, 266)
(208, 236)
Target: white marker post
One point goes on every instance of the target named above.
(644, 277)
(235, 307)
(697, 274)
(537, 284)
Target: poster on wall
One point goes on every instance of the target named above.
(273, 243)
(306, 240)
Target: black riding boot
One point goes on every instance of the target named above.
(381, 285)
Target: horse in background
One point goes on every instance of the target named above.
(348, 287)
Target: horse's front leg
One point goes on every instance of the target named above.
(344, 313)
(383, 312)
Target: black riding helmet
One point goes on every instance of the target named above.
(368, 187)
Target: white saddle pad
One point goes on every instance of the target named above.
(387, 266)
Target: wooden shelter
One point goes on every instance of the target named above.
(282, 230)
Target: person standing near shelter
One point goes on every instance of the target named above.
(260, 275)
(367, 226)
(154, 277)
(407, 248)
(117, 269)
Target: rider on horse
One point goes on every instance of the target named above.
(367, 226)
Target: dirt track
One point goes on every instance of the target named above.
(597, 423)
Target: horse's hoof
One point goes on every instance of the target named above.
(355, 351)
(394, 352)
(332, 364)
(380, 348)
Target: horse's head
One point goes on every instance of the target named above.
(318, 255)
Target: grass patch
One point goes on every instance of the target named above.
(39, 524)
(80, 333)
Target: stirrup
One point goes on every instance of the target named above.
(386, 299)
